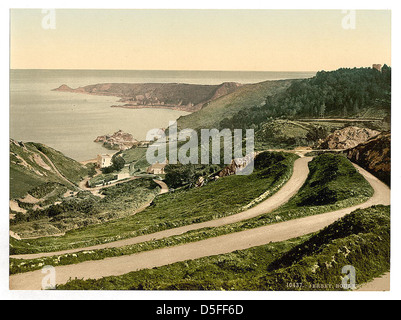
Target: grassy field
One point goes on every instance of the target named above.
(360, 239)
(356, 191)
(184, 207)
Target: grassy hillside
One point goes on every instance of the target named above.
(344, 93)
(230, 195)
(69, 168)
(243, 99)
(84, 209)
(320, 180)
(360, 239)
(29, 168)
(359, 93)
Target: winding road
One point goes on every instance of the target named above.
(219, 245)
(300, 173)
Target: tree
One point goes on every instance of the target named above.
(118, 163)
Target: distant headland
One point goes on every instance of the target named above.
(176, 96)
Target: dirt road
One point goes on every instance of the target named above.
(297, 179)
(381, 283)
(57, 171)
(214, 246)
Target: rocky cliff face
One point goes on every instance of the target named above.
(347, 138)
(119, 140)
(185, 97)
(374, 155)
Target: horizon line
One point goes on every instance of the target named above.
(73, 69)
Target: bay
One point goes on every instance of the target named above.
(69, 122)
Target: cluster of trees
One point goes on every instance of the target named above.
(178, 175)
(340, 93)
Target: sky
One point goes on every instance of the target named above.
(248, 40)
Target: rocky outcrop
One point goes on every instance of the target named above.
(180, 96)
(374, 156)
(119, 140)
(346, 138)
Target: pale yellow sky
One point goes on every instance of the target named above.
(260, 40)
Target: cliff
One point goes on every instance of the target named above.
(185, 97)
(346, 138)
(374, 155)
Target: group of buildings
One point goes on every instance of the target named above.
(105, 160)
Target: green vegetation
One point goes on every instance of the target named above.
(244, 98)
(47, 188)
(360, 239)
(341, 93)
(320, 178)
(133, 154)
(184, 207)
(275, 109)
(29, 168)
(68, 167)
(329, 174)
(165, 94)
(45, 195)
(136, 157)
(290, 134)
(102, 179)
(117, 163)
(83, 210)
(332, 178)
(179, 175)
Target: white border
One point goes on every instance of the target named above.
(206, 4)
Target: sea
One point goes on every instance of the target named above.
(69, 122)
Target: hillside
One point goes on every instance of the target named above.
(312, 262)
(244, 98)
(34, 164)
(180, 96)
(344, 93)
(374, 155)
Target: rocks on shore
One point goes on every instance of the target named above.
(119, 140)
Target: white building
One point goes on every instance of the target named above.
(104, 160)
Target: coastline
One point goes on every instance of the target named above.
(176, 108)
